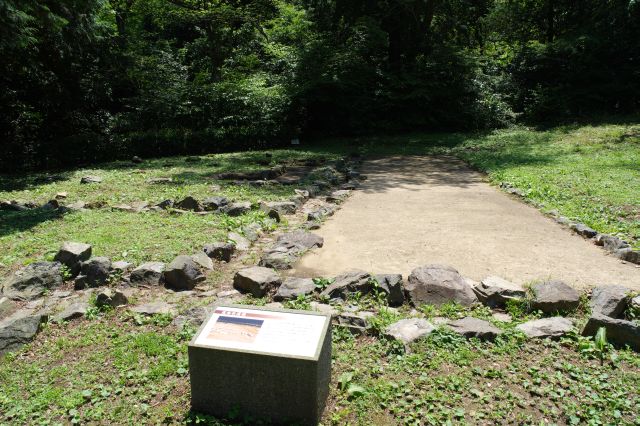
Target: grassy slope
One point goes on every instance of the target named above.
(114, 368)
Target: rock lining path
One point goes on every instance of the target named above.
(413, 211)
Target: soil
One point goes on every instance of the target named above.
(418, 210)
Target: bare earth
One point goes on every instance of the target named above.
(414, 211)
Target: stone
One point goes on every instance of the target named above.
(291, 288)
(263, 384)
(154, 308)
(94, 273)
(220, 251)
(6, 305)
(554, 296)
(159, 180)
(256, 280)
(19, 331)
(619, 332)
(228, 293)
(77, 206)
(348, 282)
(136, 160)
(553, 328)
(189, 203)
(357, 323)
(303, 239)
(473, 327)
(282, 207)
(182, 274)
(93, 205)
(122, 266)
(628, 255)
(90, 179)
(149, 273)
(495, 291)
(288, 247)
(72, 254)
(203, 260)
(274, 305)
(73, 311)
(584, 230)
(392, 285)
(338, 196)
(214, 203)
(239, 241)
(165, 204)
(252, 231)
(409, 330)
(33, 280)
(192, 317)
(302, 192)
(274, 214)
(501, 316)
(320, 214)
(610, 243)
(438, 284)
(113, 298)
(50, 205)
(635, 302)
(61, 195)
(609, 300)
(236, 209)
(324, 308)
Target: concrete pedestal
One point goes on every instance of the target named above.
(275, 385)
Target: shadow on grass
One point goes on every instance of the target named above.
(12, 222)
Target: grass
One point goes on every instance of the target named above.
(115, 368)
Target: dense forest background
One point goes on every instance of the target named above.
(90, 80)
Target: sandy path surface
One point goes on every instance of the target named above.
(414, 211)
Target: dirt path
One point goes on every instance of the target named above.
(418, 210)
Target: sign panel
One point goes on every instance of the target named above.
(281, 333)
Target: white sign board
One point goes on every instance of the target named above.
(269, 332)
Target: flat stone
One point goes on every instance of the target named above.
(554, 296)
(619, 332)
(348, 282)
(19, 331)
(236, 209)
(288, 247)
(91, 179)
(584, 230)
(256, 280)
(33, 280)
(72, 254)
(113, 298)
(154, 308)
(220, 251)
(73, 311)
(182, 274)
(239, 241)
(409, 330)
(94, 273)
(282, 207)
(149, 273)
(357, 323)
(609, 300)
(291, 288)
(393, 286)
(495, 291)
(320, 213)
(438, 284)
(501, 316)
(610, 242)
(473, 327)
(76, 206)
(228, 293)
(214, 203)
(203, 260)
(338, 196)
(554, 327)
(192, 317)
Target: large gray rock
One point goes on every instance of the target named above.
(554, 296)
(291, 288)
(113, 298)
(192, 317)
(182, 274)
(288, 247)
(94, 273)
(473, 327)
(338, 196)
(220, 251)
(256, 280)
(609, 300)
(149, 273)
(610, 243)
(392, 285)
(202, 260)
(495, 291)
(635, 302)
(236, 209)
(320, 213)
(628, 255)
(19, 331)
(584, 230)
(189, 203)
(348, 282)
(33, 280)
(619, 332)
(241, 243)
(554, 327)
(73, 311)
(282, 207)
(409, 330)
(72, 254)
(6, 305)
(214, 203)
(356, 323)
(303, 239)
(438, 284)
